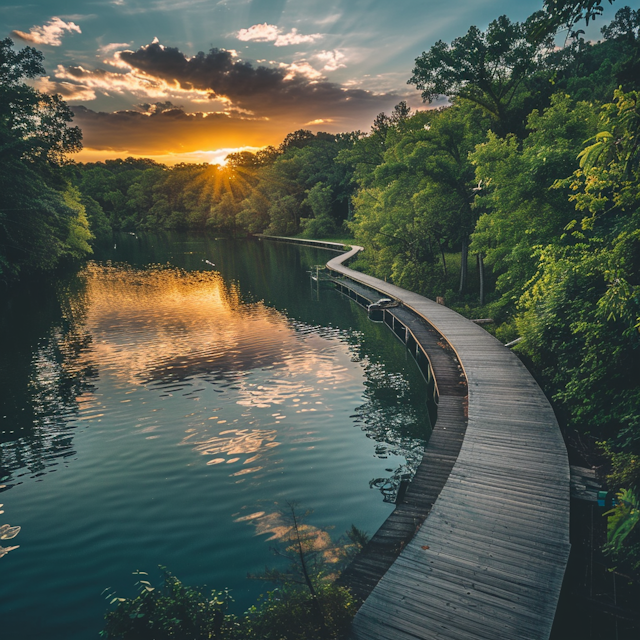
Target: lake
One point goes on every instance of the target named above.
(162, 405)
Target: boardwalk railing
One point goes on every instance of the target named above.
(488, 561)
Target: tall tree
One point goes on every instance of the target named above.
(41, 222)
(487, 68)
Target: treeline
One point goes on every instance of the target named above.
(280, 191)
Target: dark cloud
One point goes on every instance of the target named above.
(263, 90)
(168, 129)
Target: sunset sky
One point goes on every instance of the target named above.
(192, 80)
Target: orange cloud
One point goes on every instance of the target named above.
(172, 133)
(246, 105)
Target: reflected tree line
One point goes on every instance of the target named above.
(45, 368)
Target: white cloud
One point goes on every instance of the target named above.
(135, 83)
(330, 19)
(259, 33)
(113, 46)
(49, 33)
(271, 33)
(300, 68)
(331, 59)
(293, 37)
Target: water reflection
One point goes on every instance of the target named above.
(186, 395)
(168, 328)
(45, 369)
(236, 444)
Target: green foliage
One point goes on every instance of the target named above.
(623, 535)
(319, 199)
(487, 68)
(625, 466)
(42, 221)
(520, 210)
(172, 611)
(307, 605)
(270, 191)
(560, 14)
(416, 203)
(290, 614)
(588, 360)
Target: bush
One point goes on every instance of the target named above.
(173, 611)
(291, 614)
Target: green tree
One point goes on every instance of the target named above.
(417, 202)
(567, 13)
(319, 199)
(487, 68)
(520, 209)
(41, 221)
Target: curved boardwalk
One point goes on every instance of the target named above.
(488, 561)
(449, 389)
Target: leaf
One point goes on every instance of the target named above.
(5, 550)
(622, 519)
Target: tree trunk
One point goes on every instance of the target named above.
(481, 274)
(463, 266)
(444, 260)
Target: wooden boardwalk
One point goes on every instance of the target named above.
(433, 354)
(488, 561)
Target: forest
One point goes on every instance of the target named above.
(518, 201)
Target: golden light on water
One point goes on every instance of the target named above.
(166, 323)
(163, 328)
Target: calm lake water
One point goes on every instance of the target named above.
(156, 409)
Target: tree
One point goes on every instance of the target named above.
(488, 69)
(41, 220)
(625, 30)
(418, 202)
(34, 125)
(567, 13)
(448, 193)
(319, 199)
(520, 210)
(308, 606)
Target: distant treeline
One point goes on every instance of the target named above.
(278, 191)
(533, 169)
